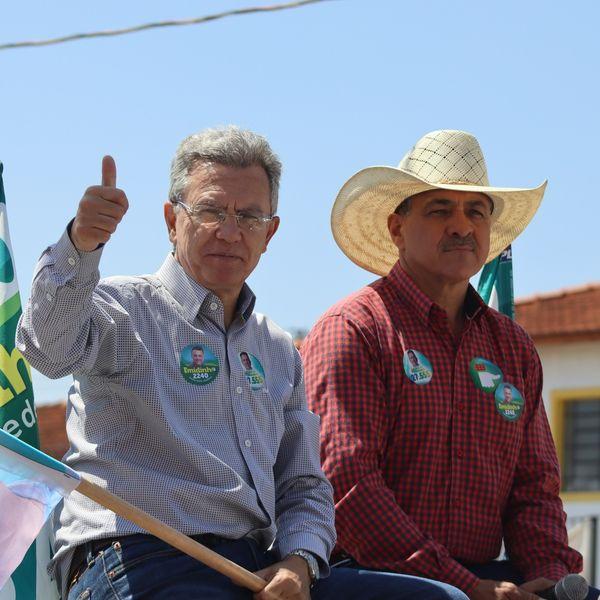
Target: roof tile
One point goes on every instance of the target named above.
(571, 313)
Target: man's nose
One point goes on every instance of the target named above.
(460, 224)
(229, 230)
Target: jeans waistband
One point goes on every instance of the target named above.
(85, 554)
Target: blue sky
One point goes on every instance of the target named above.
(335, 87)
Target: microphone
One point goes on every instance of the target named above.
(570, 587)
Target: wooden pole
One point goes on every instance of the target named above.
(237, 574)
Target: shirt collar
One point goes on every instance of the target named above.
(475, 307)
(421, 303)
(193, 297)
(246, 301)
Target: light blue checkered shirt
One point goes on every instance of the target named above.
(231, 455)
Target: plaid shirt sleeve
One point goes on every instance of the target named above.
(345, 386)
(534, 529)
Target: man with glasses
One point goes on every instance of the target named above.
(231, 461)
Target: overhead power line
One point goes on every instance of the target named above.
(157, 24)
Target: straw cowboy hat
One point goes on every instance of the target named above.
(445, 159)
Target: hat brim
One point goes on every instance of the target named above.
(362, 206)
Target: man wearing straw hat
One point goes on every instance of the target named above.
(163, 412)
(433, 468)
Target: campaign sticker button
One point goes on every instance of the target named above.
(485, 374)
(509, 401)
(417, 367)
(198, 364)
(253, 370)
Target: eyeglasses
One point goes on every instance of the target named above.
(210, 216)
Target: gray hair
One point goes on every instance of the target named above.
(230, 146)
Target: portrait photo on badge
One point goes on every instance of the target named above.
(198, 364)
(253, 370)
(509, 401)
(417, 367)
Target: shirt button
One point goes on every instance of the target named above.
(460, 453)
(247, 443)
(71, 261)
(49, 297)
(238, 389)
(460, 406)
(213, 306)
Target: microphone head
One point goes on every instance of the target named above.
(572, 587)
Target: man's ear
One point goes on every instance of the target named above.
(273, 227)
(394, 223)
(170, 220)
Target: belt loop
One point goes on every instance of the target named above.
(88, 552)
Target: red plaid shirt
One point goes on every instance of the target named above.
(427, 476)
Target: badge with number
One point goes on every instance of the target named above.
(253, 370)
(417, 367)
(198, 364)
(509, 401)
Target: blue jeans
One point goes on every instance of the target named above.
(503, 570)
(141, 567)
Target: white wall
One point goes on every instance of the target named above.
(568, 366)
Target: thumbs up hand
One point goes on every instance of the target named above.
(100, 210)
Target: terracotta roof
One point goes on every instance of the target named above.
(53, 433)
(570, 314)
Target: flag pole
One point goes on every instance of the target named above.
(235, 572)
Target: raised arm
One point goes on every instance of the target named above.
(66, 323)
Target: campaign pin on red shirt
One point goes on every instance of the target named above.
(417, 367)
(485, 374)
(509, 401)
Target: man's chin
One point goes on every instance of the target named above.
(222, 279)
(459, 275)
(462, 265)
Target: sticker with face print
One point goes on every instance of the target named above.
(198, 364)
(509, 401)
(253, 370)
(417, 367)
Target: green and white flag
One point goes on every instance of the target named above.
(30, 581)
(496, 284)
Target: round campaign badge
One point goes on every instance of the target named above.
(485, 374)
(198, 364)
(253, 370)
(509, 402)
(416, 366)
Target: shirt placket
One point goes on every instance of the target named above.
(458, 422)
(460, 441)
(245, 430)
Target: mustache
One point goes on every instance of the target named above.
(458, 243)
